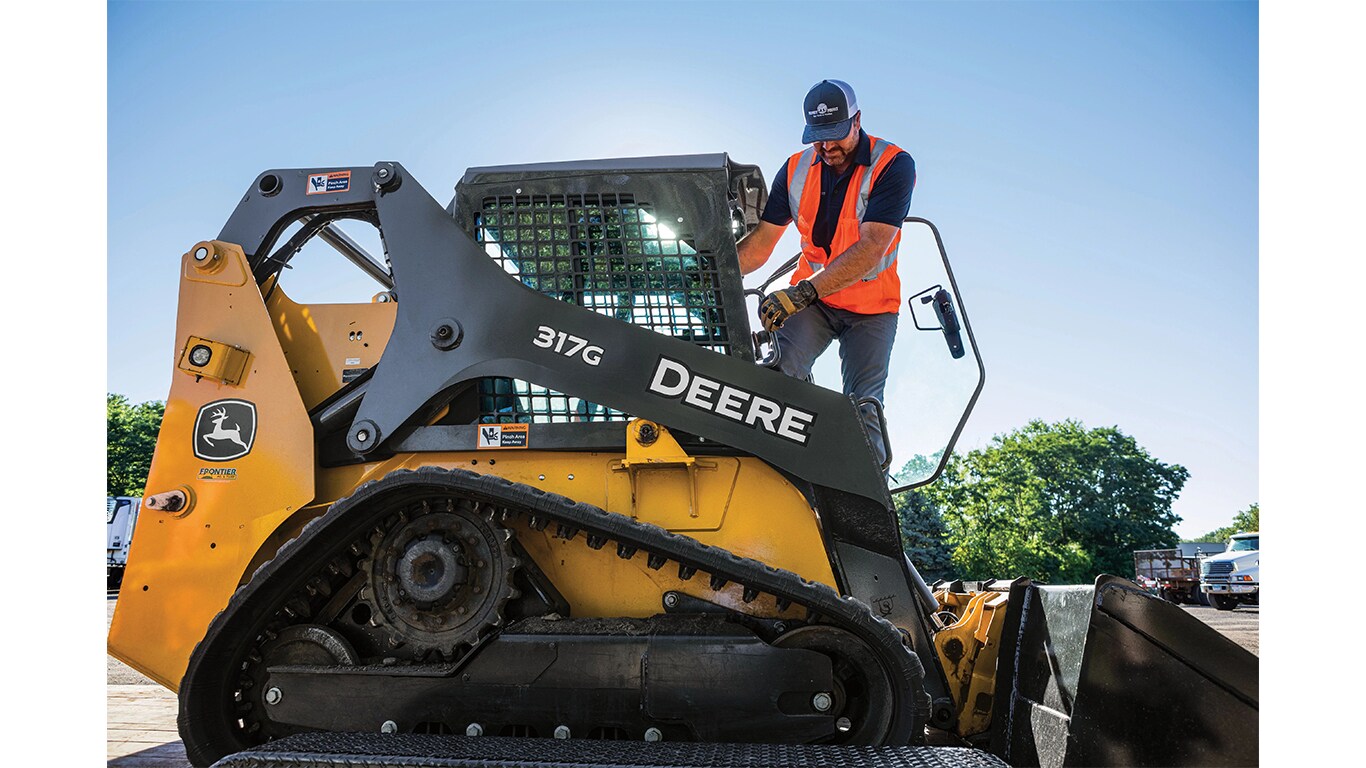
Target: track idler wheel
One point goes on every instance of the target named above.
(863, 696)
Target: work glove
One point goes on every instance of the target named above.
(778, 306)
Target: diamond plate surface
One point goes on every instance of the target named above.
(335, 750)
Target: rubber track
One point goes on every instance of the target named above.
(911, 706)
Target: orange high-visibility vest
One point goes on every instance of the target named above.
(880, 290)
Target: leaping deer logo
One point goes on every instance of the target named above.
(219, 433)
(233, 430)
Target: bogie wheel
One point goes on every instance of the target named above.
(863, 696)
(1224, 602)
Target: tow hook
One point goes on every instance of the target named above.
(175, 502)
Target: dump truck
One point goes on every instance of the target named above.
(1176, 577)
(1174, 572)
(542, 498)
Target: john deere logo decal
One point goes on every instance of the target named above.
(225, 430)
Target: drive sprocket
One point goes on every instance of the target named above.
(440, 575)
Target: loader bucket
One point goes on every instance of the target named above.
(1110, 675)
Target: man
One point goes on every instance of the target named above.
(848, 193)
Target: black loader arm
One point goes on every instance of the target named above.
(461, 317)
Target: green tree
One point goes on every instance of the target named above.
(1056, 502)
(1246, 521)
(131, 439)
(923, 535)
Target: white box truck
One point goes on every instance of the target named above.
(121, 515)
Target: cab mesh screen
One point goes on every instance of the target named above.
(604, 252)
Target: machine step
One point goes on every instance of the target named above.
(376, 750)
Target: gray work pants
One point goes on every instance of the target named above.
(865, 351)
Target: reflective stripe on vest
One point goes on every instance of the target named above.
(797, 185)
(861, 205)
(797, 181)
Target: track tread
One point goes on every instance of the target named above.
(902, 665)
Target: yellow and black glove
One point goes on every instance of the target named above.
(778, 306)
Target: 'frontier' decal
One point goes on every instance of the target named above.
(675, 381)
(225, 430)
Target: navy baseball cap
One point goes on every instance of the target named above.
(829, 110)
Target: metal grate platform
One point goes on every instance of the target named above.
(335, 750)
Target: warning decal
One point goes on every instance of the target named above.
(503, 435)
(333, 181)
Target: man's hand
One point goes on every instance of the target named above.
(778, 306)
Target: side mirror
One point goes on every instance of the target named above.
(942, 304)
(948, 320)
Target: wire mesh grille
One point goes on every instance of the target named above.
(606, 252)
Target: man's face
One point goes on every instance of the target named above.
(837, 153)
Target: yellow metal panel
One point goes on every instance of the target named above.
(183, 566)
(769, 521)
(324, 341)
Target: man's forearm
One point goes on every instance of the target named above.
(848, 267)
(755, 248)
(751, 255)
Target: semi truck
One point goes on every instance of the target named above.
(1231, 577)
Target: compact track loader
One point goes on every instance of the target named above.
(543, 499)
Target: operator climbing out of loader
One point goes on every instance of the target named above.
(847, 274)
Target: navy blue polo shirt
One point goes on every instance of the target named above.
(888, 201)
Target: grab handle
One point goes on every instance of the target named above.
(882, 426)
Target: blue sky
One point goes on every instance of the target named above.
(1093, 168)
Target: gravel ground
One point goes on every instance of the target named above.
(1242, 625)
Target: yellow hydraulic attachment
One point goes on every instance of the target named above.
(967, 650)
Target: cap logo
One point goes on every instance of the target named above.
(822, 110)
